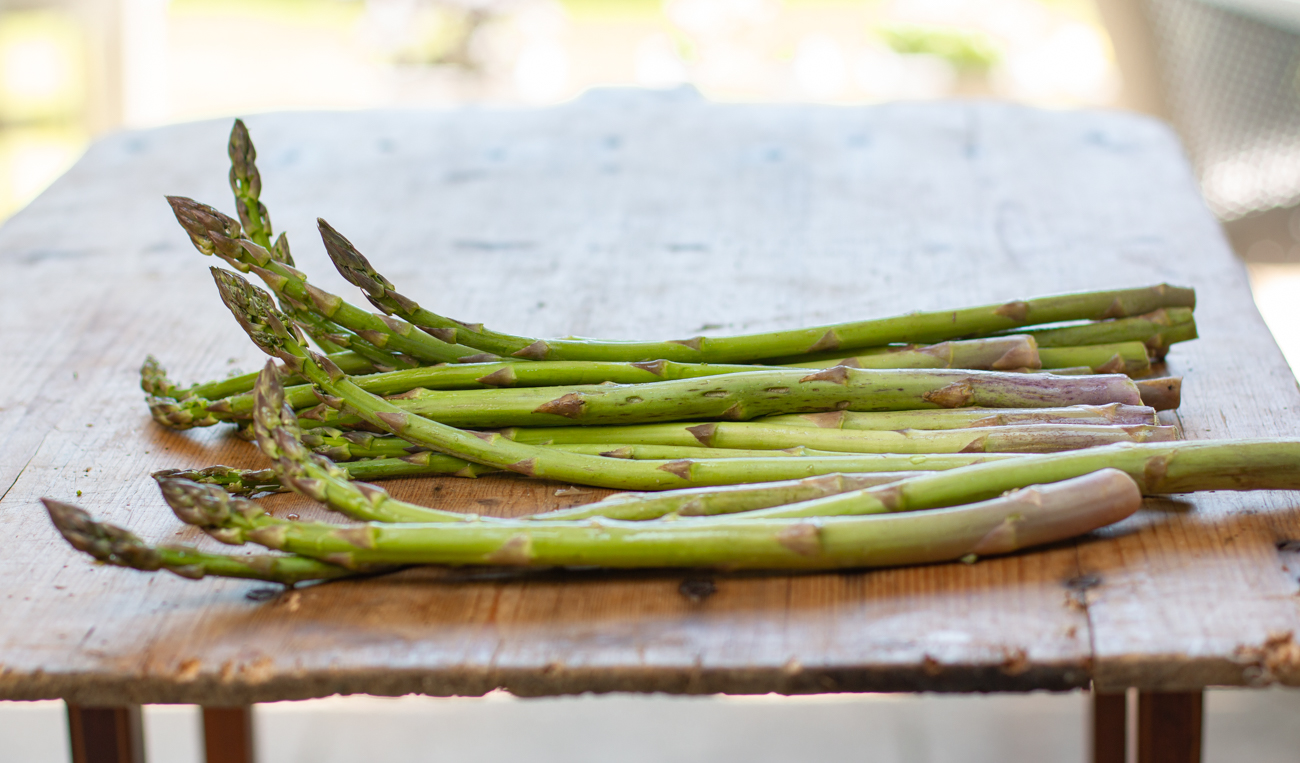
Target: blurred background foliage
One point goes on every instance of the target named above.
(71, 69)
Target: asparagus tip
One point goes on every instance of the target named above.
(106, 542)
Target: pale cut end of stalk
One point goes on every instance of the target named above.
(1163, 394)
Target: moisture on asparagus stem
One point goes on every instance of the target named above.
(266, 326)
(117, 546)
(1037, 515)
(907, 329)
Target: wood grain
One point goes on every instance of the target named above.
(624, 215)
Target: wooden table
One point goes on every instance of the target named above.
(632, 214)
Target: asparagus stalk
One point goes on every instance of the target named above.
(1265, 464)
(1117, 358)
(914, 328)
(1157, 330)
(238, 407)
(268, 329)
(215, 233)
(1027, 438)
(317, 477)
(730, 499)
(117, 546)
(155, 383)
(1037, 515)
(1013, 352)
(738, 397)
(321, 480)
(960, 418)
(250, 482)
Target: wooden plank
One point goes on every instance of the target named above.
(622, 215)
(228, 734)
(1109, 727)
(1169, 727)
(106, 734)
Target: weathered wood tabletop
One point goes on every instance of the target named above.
(627, 215)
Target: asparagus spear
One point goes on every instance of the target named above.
(914, 328)
(1265, 464)
(215, 233)
(1028, 438)
(246, 182)
(1157, 330)
(960, 418)
(1117, 358)
(239, 406)
(154, 381)
(730, 499)
(350, 445)
(1037, 515)
(737, 397)
(316, 476)
(267, 327)
(1013, 352)
(117, 546)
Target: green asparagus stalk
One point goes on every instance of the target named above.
(1027, 438)
(114, 545)
(215, 233)
(339, 445)
(238, 407)
(317, 477)
(155, 383)
(1157, 330)
(921, 328)
(730, 499)
(268, 329)
(1118, 358)
(1034, 516)
(1182, 467)
(960, 418)
(250, 482)
(738, 397)
(1013, 352)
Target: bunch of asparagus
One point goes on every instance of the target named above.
(924, 437)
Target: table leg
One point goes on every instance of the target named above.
(228, 734)
(1109, 727)
(106, 734)
(1169, 727)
